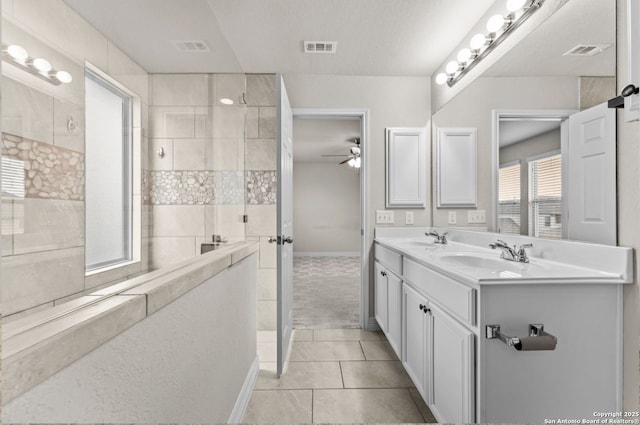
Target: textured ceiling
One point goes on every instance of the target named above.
(375, 37)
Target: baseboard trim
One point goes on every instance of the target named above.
(372, 324)
(245, 393)
(327, 254)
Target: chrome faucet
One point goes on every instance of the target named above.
(440, 238)
(512, 254)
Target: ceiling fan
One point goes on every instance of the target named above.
(353, 157)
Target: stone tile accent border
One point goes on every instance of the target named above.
(50, 172)
(261, 187)
(188, 187)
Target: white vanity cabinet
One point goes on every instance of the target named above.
(416, 323)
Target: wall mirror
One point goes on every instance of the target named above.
(521, 107)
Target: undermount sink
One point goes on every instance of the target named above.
(488, 262)
(417, 243)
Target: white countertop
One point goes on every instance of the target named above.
(479, 265)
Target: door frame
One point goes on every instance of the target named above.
(366, 233)
(551, 114)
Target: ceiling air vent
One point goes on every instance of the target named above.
(587, 49)
(191, 46)
(320, 46)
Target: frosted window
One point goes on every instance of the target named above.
(108, 174)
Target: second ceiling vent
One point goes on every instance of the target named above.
(320, 46)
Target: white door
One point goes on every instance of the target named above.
(381, 293)
(414, 355)
(451, 370)
(394, 312)
(591, 186)
(284, 225)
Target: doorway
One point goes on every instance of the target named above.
(326, 222)
(331, 276)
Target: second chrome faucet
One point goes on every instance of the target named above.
(512, 254)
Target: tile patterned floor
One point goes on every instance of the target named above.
(334, 376)
(326, 292)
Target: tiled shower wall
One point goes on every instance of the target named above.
(219, 163)
(43, 214)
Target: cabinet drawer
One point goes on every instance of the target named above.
(389, 259)
(458, 299)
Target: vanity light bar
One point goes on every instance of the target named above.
(481, 45)
(39, 67)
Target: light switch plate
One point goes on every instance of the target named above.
(408, 217)
(476, 216)
(453, 217)
(384, 217)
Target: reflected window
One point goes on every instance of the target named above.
(509, 199)
(108, 174)
(545, 197)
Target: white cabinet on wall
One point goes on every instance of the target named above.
(406, 181)
(456, 167)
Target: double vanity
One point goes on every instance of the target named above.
(489, 339)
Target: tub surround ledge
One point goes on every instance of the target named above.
(37, 346)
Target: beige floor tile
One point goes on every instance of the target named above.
(267, 336)
(347, 335)
(269, 367)
(364, 406)
(302, 375)
(267, 351)
(284, 406)
(307, 351)
(422, 406)
(378, 350)
(302, 335)
(375, 374)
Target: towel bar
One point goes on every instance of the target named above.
(537, 340)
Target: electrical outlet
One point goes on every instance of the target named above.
(453, 217)
(476, 216)
(408, 217)
(384, 217)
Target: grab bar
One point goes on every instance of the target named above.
(537, 340)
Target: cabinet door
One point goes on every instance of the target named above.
(407, 159)
(414, 354)
(394, 313)
(381, 296)
(451, 369)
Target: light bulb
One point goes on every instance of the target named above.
(464, 55)
(352, 162)
(441, 78)
(226, 101)
(452, 67)
(477, 41)
(514, 5)
(17, 52)
(357, 163)
(495, 23)
(42, 65)
(64, 77)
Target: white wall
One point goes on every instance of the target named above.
(186, 363)
(326, 208)
(628, 223)
(473, 108)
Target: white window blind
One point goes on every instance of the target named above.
(545, 197)
(509, 200)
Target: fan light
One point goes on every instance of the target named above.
(441, 78)
(452, 67)
(17, 52)
(495, 23)
(357, 163)
(514, 5)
